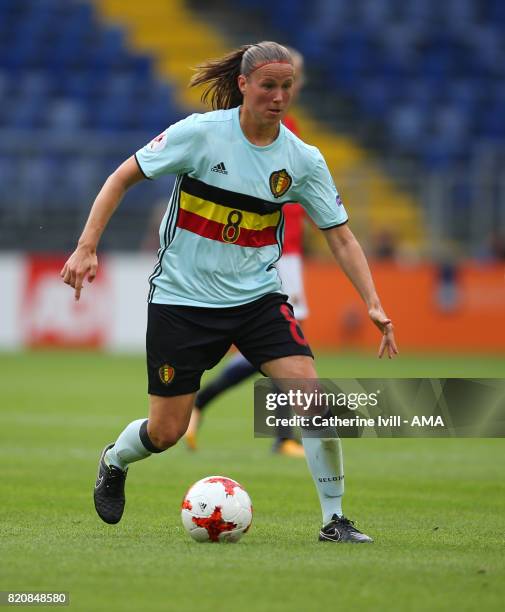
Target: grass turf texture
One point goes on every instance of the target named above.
(434, 507)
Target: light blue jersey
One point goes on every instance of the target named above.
(223, 229)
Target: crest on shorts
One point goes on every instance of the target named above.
(280, 182)
(166, 373)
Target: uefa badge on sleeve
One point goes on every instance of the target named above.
(158, 143)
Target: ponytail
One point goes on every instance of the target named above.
(220, 77)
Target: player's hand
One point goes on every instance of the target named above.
(83, 263)
(388, 343)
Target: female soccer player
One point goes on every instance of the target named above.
(215, 283)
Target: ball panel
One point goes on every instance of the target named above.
(199, 534)
(231, 536)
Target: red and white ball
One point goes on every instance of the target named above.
(216, 509)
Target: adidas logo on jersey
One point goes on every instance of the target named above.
(219, 168)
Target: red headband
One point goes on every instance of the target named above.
(270, 62)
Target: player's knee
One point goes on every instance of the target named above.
(299, 367)
(305, 370)
(166, 437)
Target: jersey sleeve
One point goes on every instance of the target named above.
(171, 152)
(320, 198)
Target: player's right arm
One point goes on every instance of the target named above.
(153, 160)
(83, 262)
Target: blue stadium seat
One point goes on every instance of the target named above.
(64, 114)
(374, 13)
(83, 85)
(376, 96)
(32, 84)
(8, 179)
(37, 177)
(496, 12)
(407, 126)
(80, 179)
(26, 113)
(492, 125)
(5, 86)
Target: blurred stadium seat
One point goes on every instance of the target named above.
(66, 83)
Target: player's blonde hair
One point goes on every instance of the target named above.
(221, 75)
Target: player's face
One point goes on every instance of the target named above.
(267, 92)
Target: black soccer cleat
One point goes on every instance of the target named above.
(109, 490)
(341, 529)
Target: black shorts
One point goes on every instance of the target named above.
(184, 341)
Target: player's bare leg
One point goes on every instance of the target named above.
(324, 458)
(167, 422)
(168, 418)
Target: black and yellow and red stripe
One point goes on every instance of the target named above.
(211, 212)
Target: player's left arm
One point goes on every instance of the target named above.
(351, 258)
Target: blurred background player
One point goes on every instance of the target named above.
(290, 268)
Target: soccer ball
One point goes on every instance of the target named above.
(216, 509)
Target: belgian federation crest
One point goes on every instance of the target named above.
(166, 374)
(280, 182)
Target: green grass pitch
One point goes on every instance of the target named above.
(436, 508)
